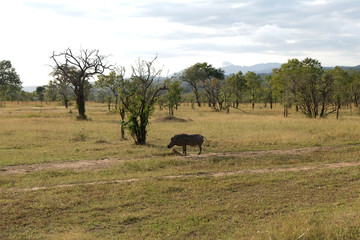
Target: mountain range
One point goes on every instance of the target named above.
(266, 68)
(258, 68)
(263, 68)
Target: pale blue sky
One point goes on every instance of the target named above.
(180, 32)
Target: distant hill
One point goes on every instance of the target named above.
(262, 69)
(266, 68)
(347, 68)
(258, 68)
(29, 88)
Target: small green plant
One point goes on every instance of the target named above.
(80, 137)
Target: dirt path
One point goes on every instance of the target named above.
(76, 165)
(97, 164)
(198, 175)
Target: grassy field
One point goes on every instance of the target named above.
(262, 177)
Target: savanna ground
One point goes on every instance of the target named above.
(262, 177)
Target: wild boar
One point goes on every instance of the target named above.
(184, 139)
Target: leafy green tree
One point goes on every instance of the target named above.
(212, 83)
(227, 96)
(26, 97)
(10, 84)
(138, 95)
(65, 92)
(268, 89)
(194, 76)
(236, 86)
(112, 83)
(213, 89)
(313, 93)
(77, 70)
(204, 76)
(115, 84)
(51, 91)
(355, 87)
(285, 81)
(253, 83)
(305, 84)
(341, 81)
(173, 96)
(40, 92)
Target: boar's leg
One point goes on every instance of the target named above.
(200, 149)
(184, 149)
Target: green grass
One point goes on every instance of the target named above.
(172, 197)
(249, 205)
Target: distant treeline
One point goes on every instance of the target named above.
(305, 85)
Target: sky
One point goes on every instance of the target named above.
(179, 32)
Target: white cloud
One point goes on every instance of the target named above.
(271, 35)
(181, 32)
(316, 2)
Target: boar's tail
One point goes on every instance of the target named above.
(207, 142)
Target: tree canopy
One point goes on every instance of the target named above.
(10, 83)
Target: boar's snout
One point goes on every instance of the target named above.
(171, 144)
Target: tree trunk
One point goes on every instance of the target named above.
(197, 98)
(122, 115)
(285, 111)
(253, 105)
(116, 102)
(80, 101)
(141, 138)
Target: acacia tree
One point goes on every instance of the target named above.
(138, 95)
(77, 70)
(9, 80)
(212, 83)
(193, 76)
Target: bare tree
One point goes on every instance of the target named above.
(77, 70)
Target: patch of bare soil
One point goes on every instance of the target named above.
(296, 151)
(97, 164)
(77, 165)
(198, 175)
(171, 119)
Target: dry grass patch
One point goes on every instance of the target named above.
(176, 197)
